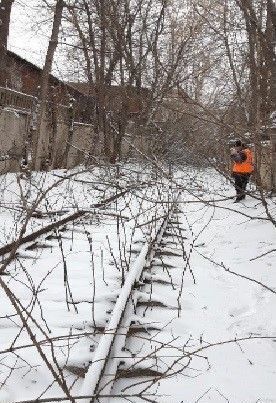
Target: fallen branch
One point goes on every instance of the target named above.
(31, 237)
(237, 274)
(262, 255)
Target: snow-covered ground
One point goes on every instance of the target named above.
(207, 309)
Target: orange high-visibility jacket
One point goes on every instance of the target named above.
(245, 167)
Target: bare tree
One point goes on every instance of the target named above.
(41, 143)
(129, 61)
(5, 12)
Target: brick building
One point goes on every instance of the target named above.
(117, 98)
(25, 77)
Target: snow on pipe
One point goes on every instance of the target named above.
(96, 369)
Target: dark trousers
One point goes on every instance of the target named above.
(241, 180)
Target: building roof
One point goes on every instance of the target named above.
(22, 60)
(32, 66)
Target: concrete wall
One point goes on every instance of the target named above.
(140, 142)
(14, 127)
(13, 134)
(18, 113)
(83, 142)
(60, 137)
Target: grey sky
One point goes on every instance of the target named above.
(29, 30)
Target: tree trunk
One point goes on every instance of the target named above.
(70, 135)
(5, 12)
(41, 146)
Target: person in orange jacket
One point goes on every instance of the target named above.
(242, 168)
